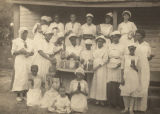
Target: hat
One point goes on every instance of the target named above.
(109, 14)
(88, 41)
(100, 37)
(115, 33)
(79, 70)
(45, 18)
(89, 15)
(22, 29)
(72, 36)
(130, 47)
(127, 12)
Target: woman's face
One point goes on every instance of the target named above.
(100, 43)
(62, 92)
(115, 39)
(126, 17)
(131, 51)
(73, 18)
(89, 20)
(24, 35)
(34, 71)
(56, 18)
(107, 19)
(88, 46)
(138, 37)
(73, 41)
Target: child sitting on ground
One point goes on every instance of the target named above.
(130, 88)
(62, 103)
(79, 92)
(34, 94)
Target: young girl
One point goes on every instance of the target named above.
(51, 94)
(61, 103)
(34, 94)
(131, 84)
(79, 92)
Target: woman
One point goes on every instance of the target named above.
(22, 50)
(79, 92)
(98, 87)
(115, 53)
(144, 52)
(42, 55)
(72, 27)
(127, 29)
(106, 28)
(88, 30)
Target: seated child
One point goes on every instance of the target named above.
(50, 95)
(79, 92)
(34, 93)
(62, 103)
(130, 88)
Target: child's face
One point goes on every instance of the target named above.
(34, 71)
(115, 40)
(88, 46)
(62, 92)
(55, 85)
(132, 51)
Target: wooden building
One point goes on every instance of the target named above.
(145, 14)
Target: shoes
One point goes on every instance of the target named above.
(19, 99)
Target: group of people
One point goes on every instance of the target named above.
(120, 62)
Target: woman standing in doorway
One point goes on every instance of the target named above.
(127, 29)
(144, 52)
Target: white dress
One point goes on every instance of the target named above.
(131, 78)
(88, 29)
(79, 101)
(125, 30)
(98, 87)
(43, 64)
(76, 50)
(48, 98)
(62, 105)
(34, 95)
(115, 53)
(75, 28)
(21, 64)
(143, 51)
(106, 30)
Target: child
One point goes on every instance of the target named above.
(62, 103)
(130, 86)
(34, 93)
(50, 95)
(79, 92)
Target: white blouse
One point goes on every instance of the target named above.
(88, 29)
(74, 27)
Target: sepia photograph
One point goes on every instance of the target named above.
(79, 56)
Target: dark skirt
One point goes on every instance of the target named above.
(113, 94)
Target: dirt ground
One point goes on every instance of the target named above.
(8, 104)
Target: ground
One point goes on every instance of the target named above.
(8, 104)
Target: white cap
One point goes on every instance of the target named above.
(49, 19)
(128, 12)
(89, 15)
(88, 41)
(45, 18)
(101, 37)
(80, 70)
(115, 33)
(72, 35)
(109, 14)
(22, 29)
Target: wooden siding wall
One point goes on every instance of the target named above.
(145, 18)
